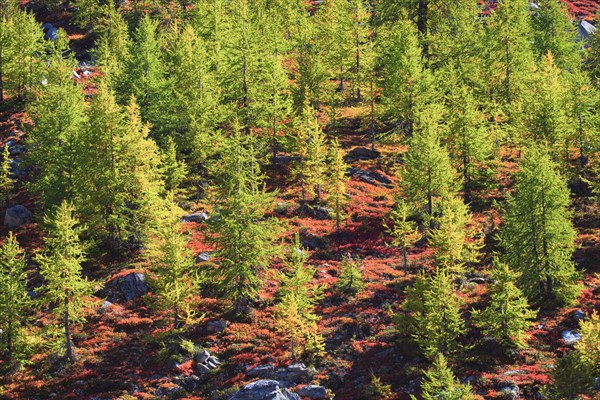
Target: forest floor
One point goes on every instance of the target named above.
(119, 348)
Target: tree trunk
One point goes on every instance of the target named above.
(1, 77)
(69, 345)
(423, 10)
(405, 257)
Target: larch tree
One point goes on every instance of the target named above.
(440, 383)
(404, 232)
(54, 141)
(508, 315)
(336, 182)
(450, 241)
(176, 279)
(244, 238)
(66, 291)
(538, 238)
(295, 314)
(112, 48)
(174, 170)
(548, 122)
(350, 281)
(196, 96)
(14, 300)
(7, 182)
(428, 177)
(470, 141)
(440, 324)
(144, 78)
(408, 86)
(508, 37)
(555, 32)
(21, 67)
(310, 143)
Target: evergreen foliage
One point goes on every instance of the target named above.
(14, 301)
(404, 232)
(66, 291)
(538, 235)
(440, 383)
(508, 315)
(350, 281)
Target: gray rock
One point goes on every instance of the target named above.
(319, 212)
(76, 75)
(195, 217)
(17, 149)
(217, 326)
(570, 337)
(371, 177)
(50, 32)
(86, 72)
(597, 384)
(202, 369)
(585, 30)
(510, 389)
(104, 307)
(17, 216)
(360, 153)
(314, 392)
(297, 373)
(201, 356)
(578, 315)
(261, 371)
(264, 390)
(214, 360)
(128, 287)
(203, 257)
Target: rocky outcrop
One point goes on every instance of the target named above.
(126, 287)
(264, 390)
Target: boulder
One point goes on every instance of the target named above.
(195, 217)
(371, 177)
(578, 315)
(217, 326)
(76, 75)
(264, 390)
(50, 32)
(359, 154)
(318, 212)
(261, 371)
(202, 369)
(201, 356)
(314, 392)
(297, 373)
(570, 337)
(585, 30)
(203, 257)
(104, 307)
(510, 390)
(16, 216)
(127, 287)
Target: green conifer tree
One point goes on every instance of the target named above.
(7, 182)
(299, 294)
(14, 300)
(440, 383)
(538, 235)
(336, 182)
(403, 231)
(173, 263)
(440, 324)
(407, 84)
(350, 281)
(427, 176)
(67, 293)
(450, 241)
(555, 32)
(54, 141)
(244, 238)
(508, 315)
(174, 170)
